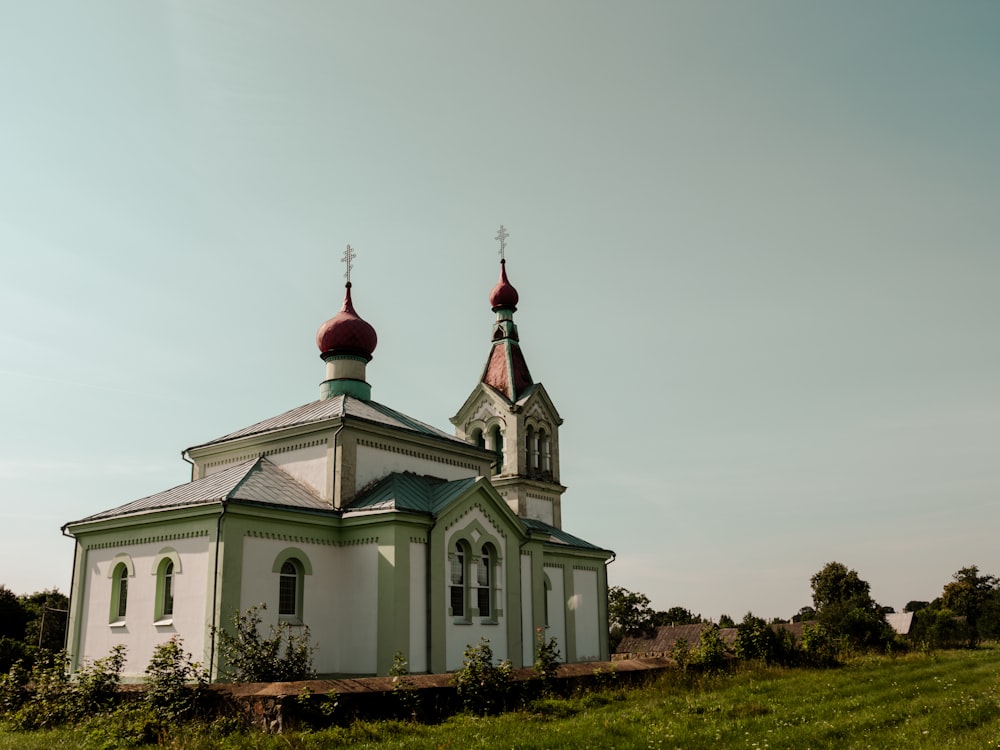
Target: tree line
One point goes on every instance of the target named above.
(843, 613)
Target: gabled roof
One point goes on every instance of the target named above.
(335, 408)
(410, 492)
(256, 480)
(422, 494)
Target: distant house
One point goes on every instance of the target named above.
(901, 622)
(661, 641)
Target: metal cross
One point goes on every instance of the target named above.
(502, 235)
(348, 258)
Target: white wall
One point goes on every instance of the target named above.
(557, 609)
(339, 599)
(138, 634)
(540, 509)
(583, 603)
(307, 465)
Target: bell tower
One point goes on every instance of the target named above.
(513, 417)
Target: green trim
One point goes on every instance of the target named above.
(295, 552)
(359, 389)
(393, 615)
(165, 558)
(121, 562)
(300, 561)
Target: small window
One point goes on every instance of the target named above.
(288, 589)
(458, 583)
(122, 598)
(168, 589)
(497, 438)
(484, 579)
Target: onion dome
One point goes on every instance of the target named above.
(504, 295)
(347, 333)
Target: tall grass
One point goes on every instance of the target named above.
(944, 700)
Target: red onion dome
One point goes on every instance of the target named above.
(504, 295)
(346, 332)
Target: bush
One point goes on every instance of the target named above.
(711, 651)
(174, 683)
(483, 686)
(284, 656)
(546, 659)
(818, 646)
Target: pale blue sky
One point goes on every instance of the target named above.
(755, 243)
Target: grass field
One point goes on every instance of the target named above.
(944, 700)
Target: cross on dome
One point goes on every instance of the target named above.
(502, 235)
(348, 259)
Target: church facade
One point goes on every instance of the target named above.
(379, 532)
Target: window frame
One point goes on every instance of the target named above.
(303, 567)
(119, 571)
(166, 568)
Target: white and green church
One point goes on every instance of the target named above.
(379, 532)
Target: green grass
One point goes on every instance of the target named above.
(943, 700)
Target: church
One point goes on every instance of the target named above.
(379, 532)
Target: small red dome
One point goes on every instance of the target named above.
(504, 295)
(346, 332)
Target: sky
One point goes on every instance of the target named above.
(755, 246)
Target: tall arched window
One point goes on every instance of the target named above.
(484, 582)
(457, 579)
(529, 437)
(478, 439)
(166, 570)
(497, 439)
(545, 451)
(122, 598)
(168, 588)
(288, 589)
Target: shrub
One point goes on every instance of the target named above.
(284, 656)
(483, 686)
(546, 659)
(711, 651)
(174, 683)
(818, 646)
(97, 683)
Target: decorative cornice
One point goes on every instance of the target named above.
(265, 452)
(147, 539)
(389, 448)
(309, 540)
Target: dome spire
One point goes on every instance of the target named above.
(505, 371)
(346, 342)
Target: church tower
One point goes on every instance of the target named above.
(513, 417)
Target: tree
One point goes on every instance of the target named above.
(725, 621)
(675, 616)
(967, 596)
(915, 606)
(629, 610)
(47, 611)
(13, 618)
(805, 614)
(846, 610)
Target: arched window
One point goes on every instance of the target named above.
(497, 439)
(291, 566)
(545, 449)
(457, 579)
(288, 589)
(122, 594)
(478, 439)
(529, 437)
(166, 568)
(168, 588)
(484, 581)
